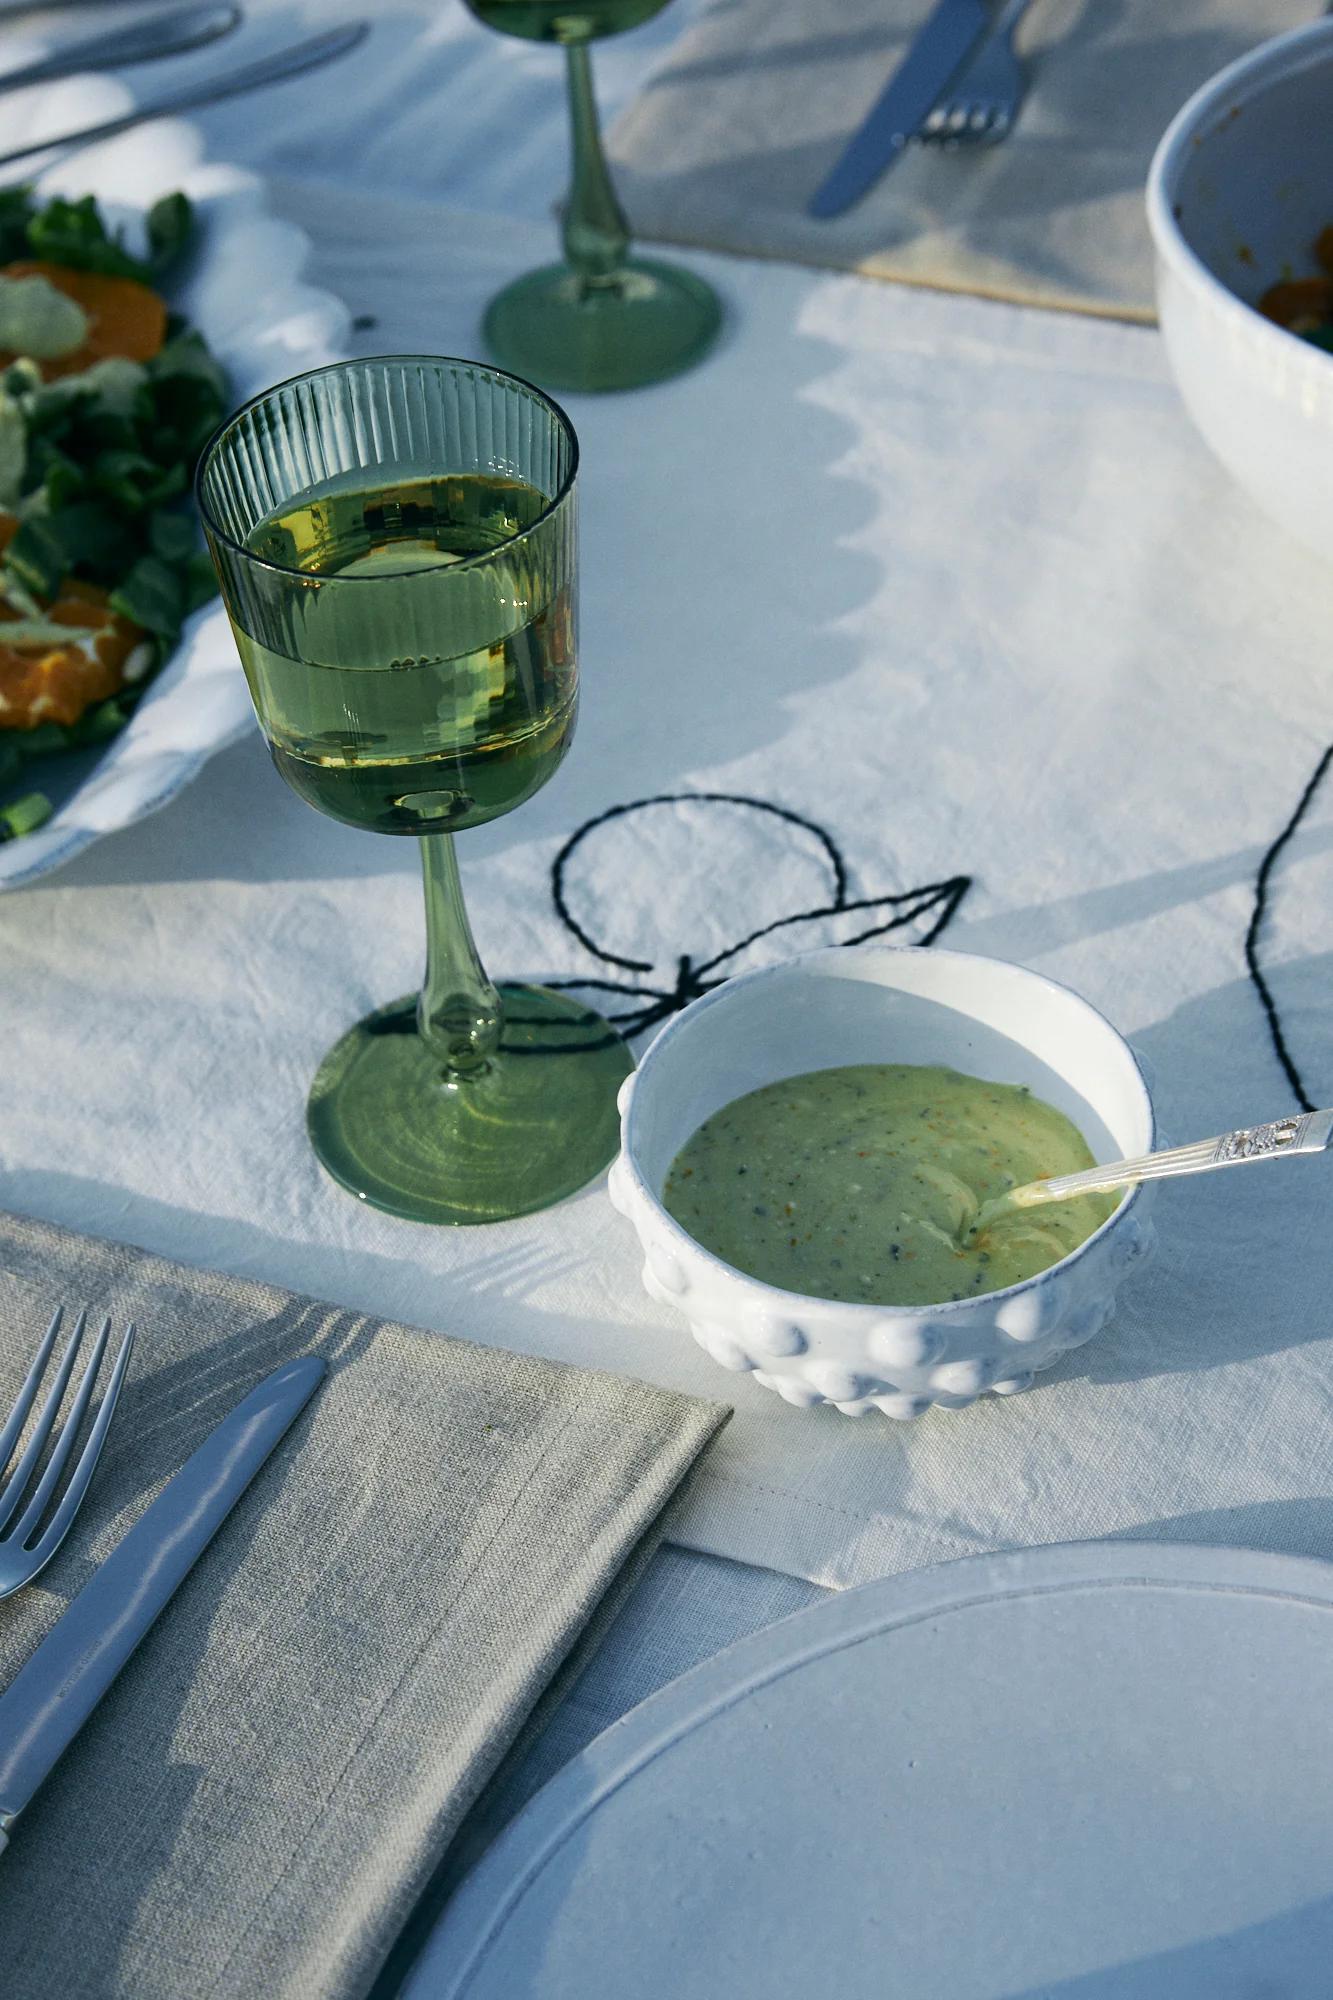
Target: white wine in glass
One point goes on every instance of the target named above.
(396, 544)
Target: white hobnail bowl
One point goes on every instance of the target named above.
(881, 1003)
(1239, 188)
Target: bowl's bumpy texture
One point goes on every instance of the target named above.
(901, 1363)
(1241, 186)
(880, 1003)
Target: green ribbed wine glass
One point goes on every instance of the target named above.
(603, 319)
(396, 544)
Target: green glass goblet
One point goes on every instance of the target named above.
(602, 319)
(396, 544)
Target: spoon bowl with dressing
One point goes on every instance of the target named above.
(806, 1152)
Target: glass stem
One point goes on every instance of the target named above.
(596, 233)
(459, 1013)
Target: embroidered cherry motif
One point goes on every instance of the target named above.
(691, 840)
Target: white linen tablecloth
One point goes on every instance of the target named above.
(953, 580)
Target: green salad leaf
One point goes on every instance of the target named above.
(37, 557)
(24, 815)
(16, 212)
(13, 452)
(153, 595)
(74, 233)
(172, 536)
(170, 222)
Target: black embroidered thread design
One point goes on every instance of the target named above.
(1261, 888)
(692, 980)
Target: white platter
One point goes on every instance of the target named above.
(1092, 1772)
(245, 293)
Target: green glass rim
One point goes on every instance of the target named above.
(483, 368)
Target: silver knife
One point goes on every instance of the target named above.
(936, 56)
(56, 1690)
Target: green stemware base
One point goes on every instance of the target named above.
(537, 1124)
(565, 331)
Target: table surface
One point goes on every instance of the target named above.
(960, 522)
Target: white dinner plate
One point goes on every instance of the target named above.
(1095, 1771)
(244, 292)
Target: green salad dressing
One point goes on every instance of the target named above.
(864, 1183)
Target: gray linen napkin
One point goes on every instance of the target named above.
(735, 132)
(260, 1798)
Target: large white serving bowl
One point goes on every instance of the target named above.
(881, 1003)
(1240, 187)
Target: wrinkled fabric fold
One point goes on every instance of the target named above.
(261, 1796)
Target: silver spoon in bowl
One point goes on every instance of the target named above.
(1304, 1132)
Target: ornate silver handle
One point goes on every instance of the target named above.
(1308, 1132)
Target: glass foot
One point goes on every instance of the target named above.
(539, 1123)
(567, 332)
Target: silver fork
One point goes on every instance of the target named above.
(985, 101)
(26, 1545)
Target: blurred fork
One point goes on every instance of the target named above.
(26, 1546)
(985, 100)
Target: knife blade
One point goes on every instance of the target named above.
(171, 34)
(277, 68)
(940, 50)
(57, 1688)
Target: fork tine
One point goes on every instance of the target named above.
(23, 1471)
(69, 1503)
(30, 1519)
(18, 1417)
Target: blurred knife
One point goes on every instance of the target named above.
(59, 1685)
(936, 56)
(170, 34)
(276, 68)
(14, 10)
